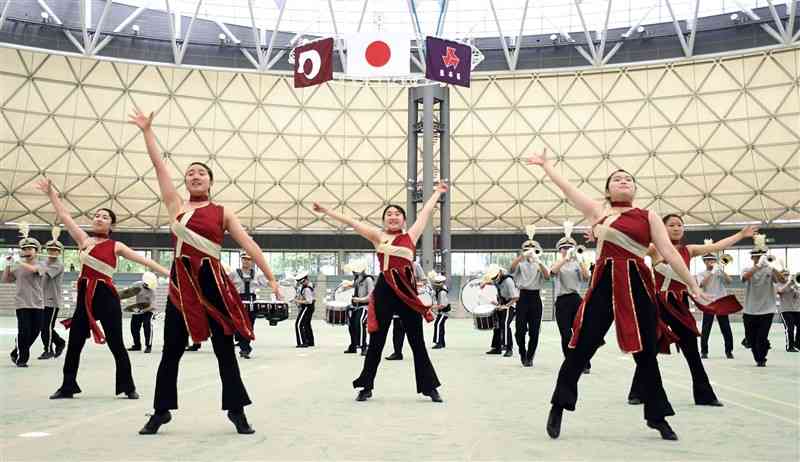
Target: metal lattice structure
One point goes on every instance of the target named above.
(716, 139)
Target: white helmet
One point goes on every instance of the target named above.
(150, 280)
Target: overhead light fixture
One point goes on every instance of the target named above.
(641, 31)
(554, 38)
(45, 17)
(135, 29)
(736, 18)
(223, 39)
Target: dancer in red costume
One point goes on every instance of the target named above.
(97, 297)
(621, 291)
(674, 309)
(203, 301)
(395, 292)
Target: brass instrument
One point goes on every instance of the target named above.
(796, 279)
(774, 262)
(580, 250)
(726, 259)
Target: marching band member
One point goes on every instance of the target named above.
(529, 275)
(363, 284)
(305, 310)
(759, 305)
(789, 294)
(398, 331)
(202, 301)
(507, 295)
(713, 281)
(53, 296)
(621, 292)
(675, 311)
(97, 298)
(27, 275)
(396, 292)
(569, 273)
(441, 304)
(142, 310)
(247, 281)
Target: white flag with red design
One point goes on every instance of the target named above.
(378, 55)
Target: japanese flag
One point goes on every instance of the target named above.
(378, 55)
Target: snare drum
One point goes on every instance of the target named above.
(336, 312)
(485, 317)
(272, 311)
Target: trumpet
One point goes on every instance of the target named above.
(580, 250)
(774, 262)
(726, 259)
(796, 279)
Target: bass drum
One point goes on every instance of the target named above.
(472, 296)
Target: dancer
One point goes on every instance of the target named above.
(395, 292)
(97, 298)
(621, 291)
(203, 302)
(675, 311)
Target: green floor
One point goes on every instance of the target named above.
(494, 409)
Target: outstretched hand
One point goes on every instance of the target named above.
(44, 185)
(442, 187)
(141, 120)
(749, 231)
(538, 159)
(318, 208)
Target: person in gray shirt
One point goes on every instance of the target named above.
(713, 281)
(305, 311)
(569, 274)
(53, 297)
(529, 275)
(759, 304)
(507, 296)
(363, 284)
(441, 305)
(142, 310)
(789, 294)
(29, 300)
(247, 281)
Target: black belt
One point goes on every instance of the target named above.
(531, 291)
(356, 305)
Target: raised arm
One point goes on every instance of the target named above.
(78, 235)
(416, 230)
(168, 192)
(235, 228)
(670, 254)
(590, 208)
(722, 244)
(127, 253)
(8, 275)
(369, 232)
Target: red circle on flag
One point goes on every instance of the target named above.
(378, 53)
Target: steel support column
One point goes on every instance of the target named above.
(444, 173)
(427, 173)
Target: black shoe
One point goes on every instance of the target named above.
(148, 349)
(745, 343)
(714, 403)
(761, 363)
(302, 346)
(587, 370)
(45, 355)
(434, 396)
(508, 353)
(193, 347)
(155, 421)
(663, 427)
(240, 421)
(132, 394)
(494, 351)
(135, 348)
(527, 363)
(364, 394)
(61, 395)
(394, 357)
(59, 348)
(703, 355)
(635, 401)
(14, 357)
(22, 364)
(350, 350)
(437, 347)
(792, 350)
(363, 352)
(554, 421)
(729, 355)
(244, 354)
